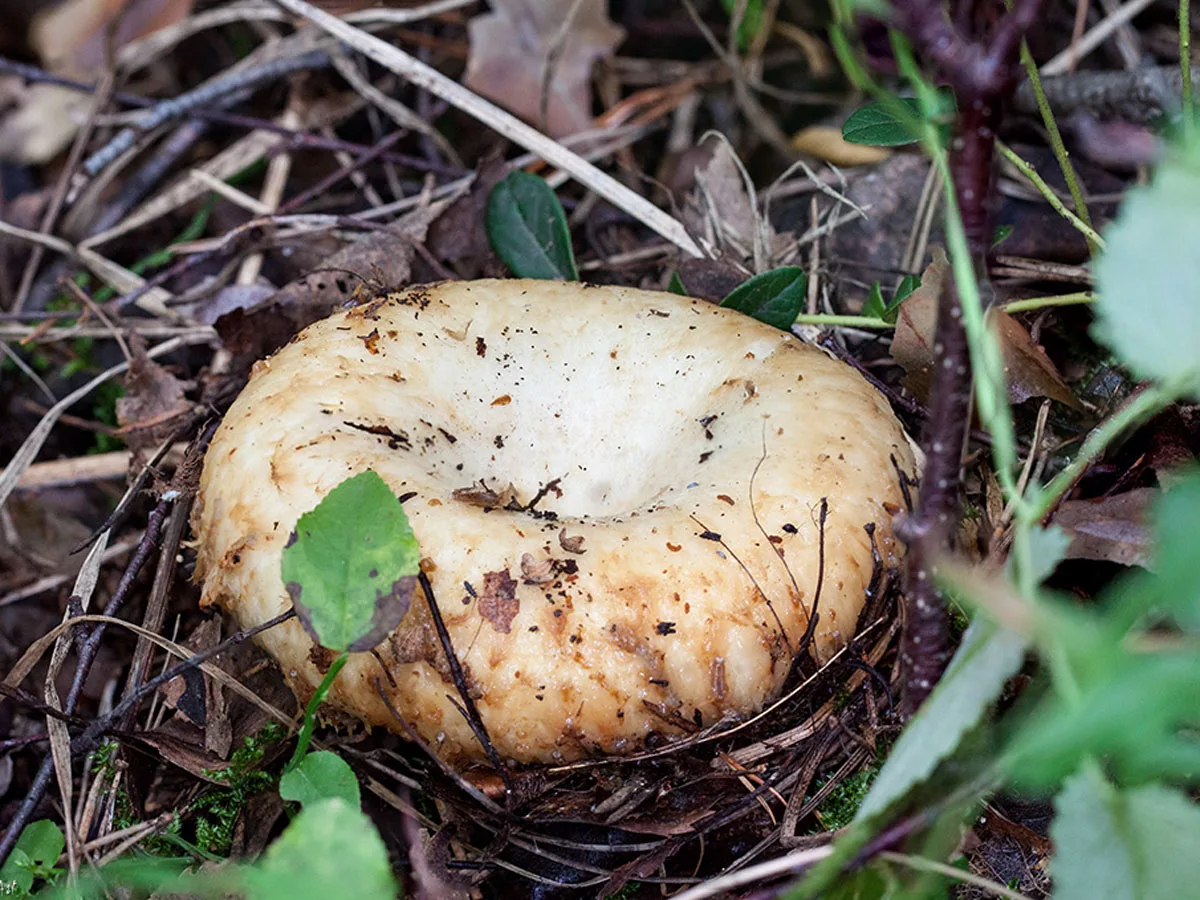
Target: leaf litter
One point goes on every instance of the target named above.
(436, 229)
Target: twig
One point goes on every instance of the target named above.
(206, 95)
(89, 740)
(469, 709)
(504, 123)
(982, 71)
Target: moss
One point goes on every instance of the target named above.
(843, 801)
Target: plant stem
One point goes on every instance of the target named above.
(921, 864)
(1031, 304)
(1094, 240)
(310, 712)
(835, 321)
(1056, 141)
(1185, 65)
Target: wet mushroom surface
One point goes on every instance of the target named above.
(618, 497)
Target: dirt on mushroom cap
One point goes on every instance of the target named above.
(629, 579)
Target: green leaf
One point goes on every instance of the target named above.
(751, 22)
(874, 306)
(330, 850)
(351, 565)
(908, 284)
(987, 658)
(877, 125)
(1177, 522)
(883, 125)
(320, 776)
(1001, 234)
(1148, 279)
(528, 229)
(1138, 844)
(775, 297)
(37, 849)
(676, 285)
(1047, 548)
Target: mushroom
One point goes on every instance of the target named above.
(621, 498)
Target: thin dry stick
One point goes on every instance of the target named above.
(509, 126)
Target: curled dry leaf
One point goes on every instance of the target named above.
(536, 571)
(1027, 369)
(825, 142)
(571, 544)
(486, 497)
(512, 46)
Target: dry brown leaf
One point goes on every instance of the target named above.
(723, 209)
(498, 601)
(73, 38)
(152, 404)
(1027, 369)
(1114, 529)
(512, 46)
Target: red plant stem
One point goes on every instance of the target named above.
(982, 73)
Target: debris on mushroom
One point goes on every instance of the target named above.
(617, 495)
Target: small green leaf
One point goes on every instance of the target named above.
(676, 285)
(528, 229)
(351, 565)
(320, 776)
(908, 284)
(878, 126)
(1148, 279)
(330, 850)
(1001, 233)
(775, 297)
(37, 849)
(987, 658)
(1110, 844)
(874, 306)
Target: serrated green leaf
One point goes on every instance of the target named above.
(1110, 844)
(330, 850)
(320, 776)
(775, 297)
(351, 565)
(528, 229)
(986, 659)
(1148, 279)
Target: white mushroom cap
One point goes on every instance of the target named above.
(662, 422)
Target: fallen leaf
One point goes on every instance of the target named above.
(380, 258)
(153, 402)
(511, 47)
(498, 601)
(1114, 529)
(1027, 369)
(724, 209)
(486, 497)
(536, 571)
(571, 544)
(74, 39)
